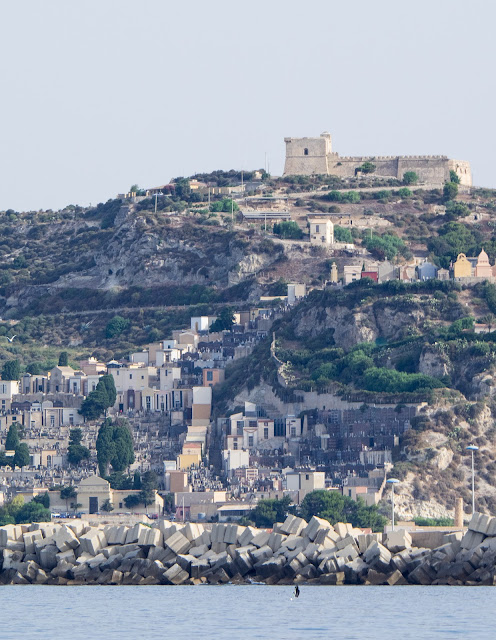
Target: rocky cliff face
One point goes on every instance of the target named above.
(138, 250)
(366, 324)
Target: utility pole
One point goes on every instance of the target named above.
(156, 196)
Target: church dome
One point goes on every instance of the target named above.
(483, 258)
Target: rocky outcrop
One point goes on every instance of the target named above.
(433, 362)
(294, 551)
(365, 324)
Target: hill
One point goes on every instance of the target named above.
(65, 275)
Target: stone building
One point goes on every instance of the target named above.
(308, 156)
(321, 231)
(462, 267)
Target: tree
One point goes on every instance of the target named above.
(225, 320)
(454, 238)
(288, 229)
(342, 235)
(454, 177)
(11, 370)
(450, 191)
(35, 369)
(43, 499)
(132, 500)
(225, 206)
(76, 452)
(386, 246)
(410, 177)
(116, 326)
(146, 497)
(68, 493)
(137, 480)
(99, 400)
(109, 384)
(333, 506)
(488, 320)
(119, 481)
(367, 167)
(114, 446)
(404, 192)
(33, 512)
(107, 506)
(63, 359)
(269, 511)
(21, 457)
(75, 506)
(456, 210)
(13, 440)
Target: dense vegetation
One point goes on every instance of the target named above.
(330, 505)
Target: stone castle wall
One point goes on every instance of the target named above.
(309, 156)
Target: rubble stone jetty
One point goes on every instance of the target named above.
(294, 551)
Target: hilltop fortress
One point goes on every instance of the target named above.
(308, 156)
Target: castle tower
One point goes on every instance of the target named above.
(313, 156)
(307, 156)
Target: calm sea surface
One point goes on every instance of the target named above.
(239, 612)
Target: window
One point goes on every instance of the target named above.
(266, 433)
(148, 403)
(71, 419)
(250, 441)
(305, 152)
(130, 376)
(52, 421)
(317, 228)
(293, 432)
(307, 477)
(235, 445)
(142, 377)
(210, 375)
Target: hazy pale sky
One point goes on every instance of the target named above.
(100, 94)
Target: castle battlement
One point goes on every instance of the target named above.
(311, 156)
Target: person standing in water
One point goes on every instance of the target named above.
(297, 591)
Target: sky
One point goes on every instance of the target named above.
(98, 95)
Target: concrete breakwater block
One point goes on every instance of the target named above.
(293, 552)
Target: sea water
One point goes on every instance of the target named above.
(245, 612)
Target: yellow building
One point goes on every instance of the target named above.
(185, 461)
(462, 267)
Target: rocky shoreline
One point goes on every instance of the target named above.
(292, 552)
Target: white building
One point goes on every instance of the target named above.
(321, 231)
(234, 459)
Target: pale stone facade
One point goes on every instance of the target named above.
(308, 156)
(321, 231)
(483, 268)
